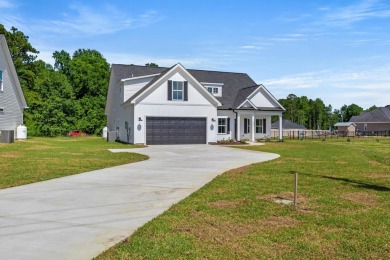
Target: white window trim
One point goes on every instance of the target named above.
(226, 126)
(260, 126)
(182, 91)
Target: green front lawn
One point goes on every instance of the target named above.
(343, 209)
(39, 159)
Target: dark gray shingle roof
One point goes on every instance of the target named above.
(381, 114)
(235, 85)
(287, 124)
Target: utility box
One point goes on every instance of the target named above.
(111, 136)
(7, 136)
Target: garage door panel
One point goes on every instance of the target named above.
(171, 130)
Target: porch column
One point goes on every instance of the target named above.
(238, 126)
(253, 127)
(280, 128)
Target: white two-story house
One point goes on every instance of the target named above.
(12, 100)
(156, 105)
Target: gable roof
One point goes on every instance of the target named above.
(232, 82)
(345, 124)
(162, 74)
(381, 114)
(287, 124)
(19, 92)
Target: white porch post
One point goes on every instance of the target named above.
(253, 127)
(238, 126)
(280, 127)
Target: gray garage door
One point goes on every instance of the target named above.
(175, 130)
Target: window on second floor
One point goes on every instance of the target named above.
(177, 90)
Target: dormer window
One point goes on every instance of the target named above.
(213, 88)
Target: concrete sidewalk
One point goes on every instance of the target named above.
(79, 216)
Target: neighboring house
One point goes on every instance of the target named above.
(289, 128)
(12, 100)
(287, 125)
(155, 105)
(346, 128)
(376, 120)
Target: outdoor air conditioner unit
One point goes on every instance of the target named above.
(7, 136)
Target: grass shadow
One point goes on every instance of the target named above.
(358, 183)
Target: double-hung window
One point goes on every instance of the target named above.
(222, 125)
(177, 90)
(247, 126)
(260, 126)
(1, 80)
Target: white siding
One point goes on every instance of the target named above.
(160, 94)
(232, 116)
(134, 85)
(173, 110)
(13, 109)
(262, 99)
(258, 115)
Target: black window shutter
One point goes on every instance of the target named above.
(228, 124)
(169, 89)
(245, 126)
(185, 90)
(264, 126)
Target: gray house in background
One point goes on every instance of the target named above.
(12, 100)
(376, 120)
(287, 125)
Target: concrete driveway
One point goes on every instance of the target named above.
(79, 216)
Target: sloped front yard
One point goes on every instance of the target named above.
(39, 159)
(343, 209)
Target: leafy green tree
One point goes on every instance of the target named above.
(371, 108)
(23, 55)
(151, 64)
(89, 75)
(52, 111)
(352, 110)
(62, 62)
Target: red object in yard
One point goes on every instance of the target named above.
(77, 133)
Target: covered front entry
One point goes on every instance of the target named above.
(176, 130)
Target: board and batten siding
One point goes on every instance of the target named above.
(12, 116)
(261, 99)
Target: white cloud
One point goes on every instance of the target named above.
(89, 21)
(363, 87)
(7, 4)
(366, 9)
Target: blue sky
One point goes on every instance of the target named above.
(338, 51)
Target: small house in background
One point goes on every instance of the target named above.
(287, 125)
(12, 102)
(289, 128)
(376, 120)
(346, 129)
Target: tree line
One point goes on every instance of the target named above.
(314, 114)
(72, 93)
(69, 95)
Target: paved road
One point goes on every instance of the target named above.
(79, 216)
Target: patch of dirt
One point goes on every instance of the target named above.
(215, 232)
(379, 175)
(10, 155)
(226, 204)
(39, 147)
(240, 170)
(303, 201)
(375, 163)
(341, 162)
(365, 198)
